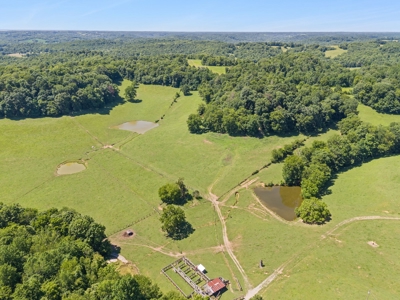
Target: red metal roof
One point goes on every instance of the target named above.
(216, 285)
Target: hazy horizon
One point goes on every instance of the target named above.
(207, 16)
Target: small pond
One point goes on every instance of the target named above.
(70, 168)
(137, 126)
(282, 200)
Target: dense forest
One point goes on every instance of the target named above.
(59, 84)
(287, 93)
(229, 37)
(59, 254)
(270, 87)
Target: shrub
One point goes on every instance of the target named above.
(313, 211)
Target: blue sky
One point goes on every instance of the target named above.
(205, 15)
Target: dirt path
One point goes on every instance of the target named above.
(251, 293)
(214, 200)
(228, 246)
(365, 218)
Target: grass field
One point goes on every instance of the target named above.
(215, 69)
(368, 114)
(125, 170)
(334, 53)
(344, 266)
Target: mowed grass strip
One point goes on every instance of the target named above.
(344, 266)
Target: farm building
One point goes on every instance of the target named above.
(195, 277)
(215, 286)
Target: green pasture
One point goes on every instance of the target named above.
(334, 53)
(371, 189)
(216, 69)
(368, 114)
(124, 171)
(344, 266)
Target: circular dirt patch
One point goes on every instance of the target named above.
(68, 168)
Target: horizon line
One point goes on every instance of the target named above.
(163, 31)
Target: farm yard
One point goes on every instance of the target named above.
(233, 231)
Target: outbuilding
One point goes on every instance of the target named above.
(214, 286)
(201, 268)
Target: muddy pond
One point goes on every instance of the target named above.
(70, 168)
(140, 127)
(282, 200)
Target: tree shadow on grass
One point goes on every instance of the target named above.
(135, 101)
(183, 232)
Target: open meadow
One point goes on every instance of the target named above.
(368, 114)
(233, 231)
(334, 53)
(216, 69)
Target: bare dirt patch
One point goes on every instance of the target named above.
(207, 142)
(129, 233)
(373, 244)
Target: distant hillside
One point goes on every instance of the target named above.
(231, 37)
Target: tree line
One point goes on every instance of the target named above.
(313, 167)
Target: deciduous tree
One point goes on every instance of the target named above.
(313, 211)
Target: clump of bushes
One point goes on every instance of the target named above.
(280, 154)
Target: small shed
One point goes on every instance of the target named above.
(214, 286)
(201, 268)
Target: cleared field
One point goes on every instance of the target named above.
(368, 114)
(344, 266)
(119, 189)
(215, 69)
(334, 53)
(371, 189)
(115, 189)
(319, 261)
